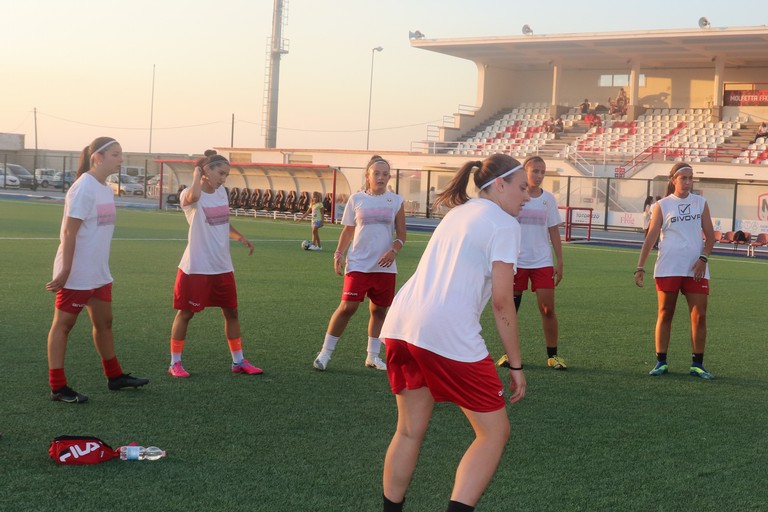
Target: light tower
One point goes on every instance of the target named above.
(276, 47)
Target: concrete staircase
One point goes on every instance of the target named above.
(569, 135)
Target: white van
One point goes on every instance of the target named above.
(44, 177)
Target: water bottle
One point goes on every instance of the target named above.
(141, 453)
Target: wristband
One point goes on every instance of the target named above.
(515, 369)
(704, 258)
(398, 240)
(338, 253)
(640, 269)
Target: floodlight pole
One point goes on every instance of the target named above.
(370, 97)
(151, 110)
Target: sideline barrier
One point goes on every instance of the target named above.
(577, 217)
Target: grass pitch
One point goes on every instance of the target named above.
(603, 436)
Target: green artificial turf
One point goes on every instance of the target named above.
(602, 436)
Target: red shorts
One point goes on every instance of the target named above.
(195, 292)
(73, 301)
(673, 284)
(473, 386)
(379, 286)
(543, 277)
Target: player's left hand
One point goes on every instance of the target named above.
(699, 270)
(387, 260)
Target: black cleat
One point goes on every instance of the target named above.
(68, 395)
(126, 381)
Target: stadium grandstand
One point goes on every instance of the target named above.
(697, 95)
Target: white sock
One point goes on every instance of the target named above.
(329, 344)
(374, 346)
(237, 356)
(175, 357)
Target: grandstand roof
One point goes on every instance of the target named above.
(268, 169)
(743, 46)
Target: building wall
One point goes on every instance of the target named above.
(680, 88)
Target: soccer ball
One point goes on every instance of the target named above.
(306, 244)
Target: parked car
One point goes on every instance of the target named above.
(68, 179)
(124, 185)
(140, 179)
(44, 177)
(8, 180)
(26, 180)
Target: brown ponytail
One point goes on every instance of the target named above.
(489, 169)
(98, 145)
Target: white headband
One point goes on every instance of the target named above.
(488, 184)
(104, 146)
(683, 168)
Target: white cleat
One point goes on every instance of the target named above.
(375, 362)
(321, 361)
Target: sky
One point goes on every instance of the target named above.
(169, 76)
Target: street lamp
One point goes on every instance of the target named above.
(370, 97)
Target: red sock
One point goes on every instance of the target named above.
(56, 378)
(112, 368)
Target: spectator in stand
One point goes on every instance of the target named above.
(597, 122)
(762, 131)
(613, 108)
(621, 102)
(558, 126)
(549, 125)
(584, 107)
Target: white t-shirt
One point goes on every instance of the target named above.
(207, 249)
(374, 221)
(537, 216)
(94, 204)
(681, 242)
(439, 307)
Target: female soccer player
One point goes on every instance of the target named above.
(316, 210)
(539, 220)
(81, 276)
(369, 219)
(682, 264)
(206, 276)
(434, 348)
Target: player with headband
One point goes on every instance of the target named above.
(435, 351)
(682, 265)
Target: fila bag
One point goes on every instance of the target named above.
(72, 450)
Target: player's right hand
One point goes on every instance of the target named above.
(639, 275)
